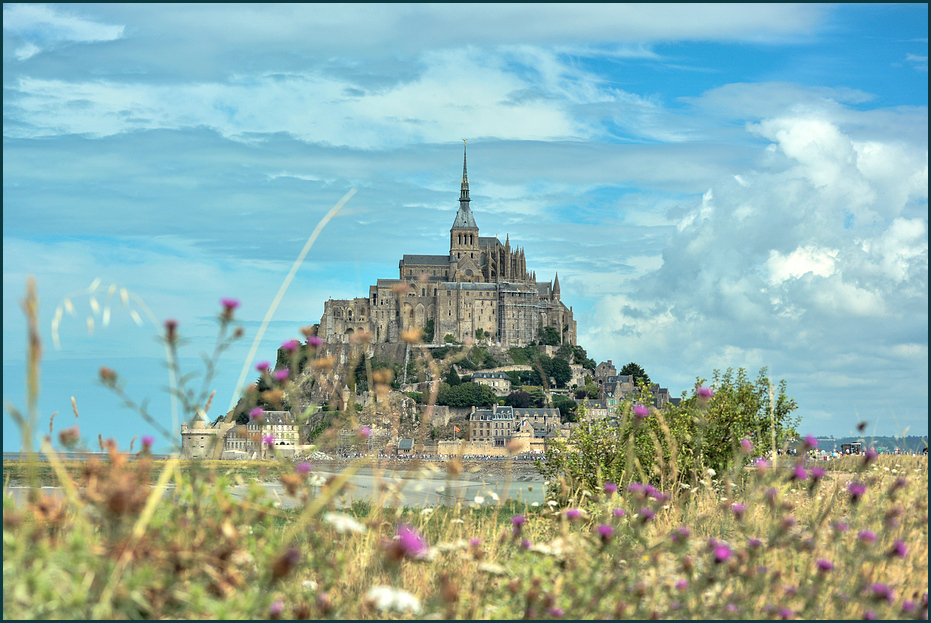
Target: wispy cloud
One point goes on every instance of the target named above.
(43, 26)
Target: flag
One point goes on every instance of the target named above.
(457, 428)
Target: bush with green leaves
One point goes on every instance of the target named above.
(678, 443)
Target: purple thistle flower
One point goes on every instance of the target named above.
(641, 412)
(785, 613)
(738, 510)
(646, 515)
(610, 488)
(268, 440)
(518, 521)
(274, 611)
(817, 473)
(681, 534)
(257, 414)
(899, 550)
(619, 512)
(314, 341)
(171, 328)
(229, 306)
(147, 443)
(799, 473)
(605, 532)
(730, 608)
(365, 432)
(721, 553)
(556, 612)
(754, 543)
(291, 346)
(761, 464)
(881, 592)
(573, 513)
(303, 468)
(262, 366)
(746, 445)
(704, 392)
(840, 526)
(908, 605)
(869, 615)
(682, 585)
(475, 542)
(635, 487)
(856, 491)
(410, 543)
(526, 544)
(824, 565)
(866, 535)
(810, 443)
(870, 455)
(281, 375)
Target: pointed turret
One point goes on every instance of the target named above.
(556, 288)
(464, 218)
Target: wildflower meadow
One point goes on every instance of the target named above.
(655, 517)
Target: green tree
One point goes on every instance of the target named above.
(428, 331)
(549, 336)
(519, 399)
(449, 338)
(465, 395)
(634, 370)
(479, 333)
(537, 397)
(568, 408)
(452, 379)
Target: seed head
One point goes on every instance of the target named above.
(107, 376)
(171, 330)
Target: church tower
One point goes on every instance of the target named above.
(464, 249)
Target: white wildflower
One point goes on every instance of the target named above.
(344, 523)
(534, 504)
(309, 585)
(684, 485)
(479, 499)
(710, 473)
(426, 511)
(492, 495)
(388, 598)
(492, 569)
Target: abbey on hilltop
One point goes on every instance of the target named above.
(481, 287)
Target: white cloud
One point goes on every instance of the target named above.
(45, 26)
(808, 259)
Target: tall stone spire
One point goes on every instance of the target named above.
(464, 218)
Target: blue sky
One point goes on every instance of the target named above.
(717, 185)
